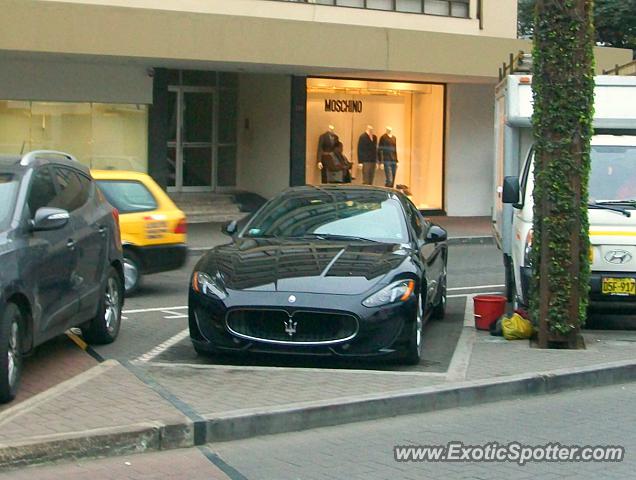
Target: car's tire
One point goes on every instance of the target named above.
(11, 334)
(104, 328)
(439, 310)
(412, 355)
(132, 272)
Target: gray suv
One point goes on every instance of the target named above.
(60, 258)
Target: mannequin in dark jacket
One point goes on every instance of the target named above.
(387, 153)
(326, 144)
(368, 154)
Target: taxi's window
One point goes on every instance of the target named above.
(127, 196)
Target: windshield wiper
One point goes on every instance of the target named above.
(605, 206)
(631, 203)
(332, 236)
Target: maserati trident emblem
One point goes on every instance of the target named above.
(292, 299)
(290, 327)
(618, 257)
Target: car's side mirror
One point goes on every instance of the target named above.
(230, 228)
(47, 218)
(436, 234)
(511, 191)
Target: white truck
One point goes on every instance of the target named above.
(612, 187)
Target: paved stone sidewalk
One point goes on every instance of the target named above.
(498, 357)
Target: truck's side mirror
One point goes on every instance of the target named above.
(511, 190)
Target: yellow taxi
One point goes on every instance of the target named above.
(153, 229)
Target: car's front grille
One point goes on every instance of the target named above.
(299, 327)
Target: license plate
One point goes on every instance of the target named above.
(619, 286)
(156, 230)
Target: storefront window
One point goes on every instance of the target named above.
(391, 134)
(100, 135)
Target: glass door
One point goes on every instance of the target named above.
(191, 139)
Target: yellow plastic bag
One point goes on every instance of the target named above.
(516, 327)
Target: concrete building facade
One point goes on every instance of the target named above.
(223, 95)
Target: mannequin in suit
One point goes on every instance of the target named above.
(387, 153)
(368, 154)
(326, 144)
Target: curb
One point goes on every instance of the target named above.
(477, 240)
(243, 424)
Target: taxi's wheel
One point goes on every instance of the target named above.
(132, 272)
(11, 325)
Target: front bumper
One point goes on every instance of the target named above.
(380, 331)
(598, 300)
(162, 258)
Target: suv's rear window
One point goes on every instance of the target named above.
(127, 196)
(8, 189)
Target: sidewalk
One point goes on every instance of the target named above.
(203, 236)
(122, 408)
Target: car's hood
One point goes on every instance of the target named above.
(303, 266)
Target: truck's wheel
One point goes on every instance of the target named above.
(509, 279)
(11, 325)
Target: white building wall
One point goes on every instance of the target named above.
(469, 150)
(65, 81)
(264, 133)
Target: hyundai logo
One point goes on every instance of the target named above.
(618, 257)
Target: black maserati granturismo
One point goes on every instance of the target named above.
(329, 270)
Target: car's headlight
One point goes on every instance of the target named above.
(203, 283)
(398, 291)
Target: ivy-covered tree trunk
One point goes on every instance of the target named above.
(563, 86)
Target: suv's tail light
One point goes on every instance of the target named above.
(182, 227)
(117, 231)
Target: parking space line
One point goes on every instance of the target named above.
(144, 310)
(476, 287)
(159, 349)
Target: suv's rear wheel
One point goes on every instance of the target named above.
(104, 328)
(11, 325)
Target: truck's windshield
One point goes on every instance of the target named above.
(613, 173)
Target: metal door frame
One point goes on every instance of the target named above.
(180, 90)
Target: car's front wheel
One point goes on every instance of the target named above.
(413, 353)
(104, 328)
(11, 325)
(439, 310)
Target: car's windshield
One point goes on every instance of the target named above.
(357, 214)
(127, 196)
(613, 173)
(8, 189)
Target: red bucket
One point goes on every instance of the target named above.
(488, 308)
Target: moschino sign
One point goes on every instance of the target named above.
(343, 106)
